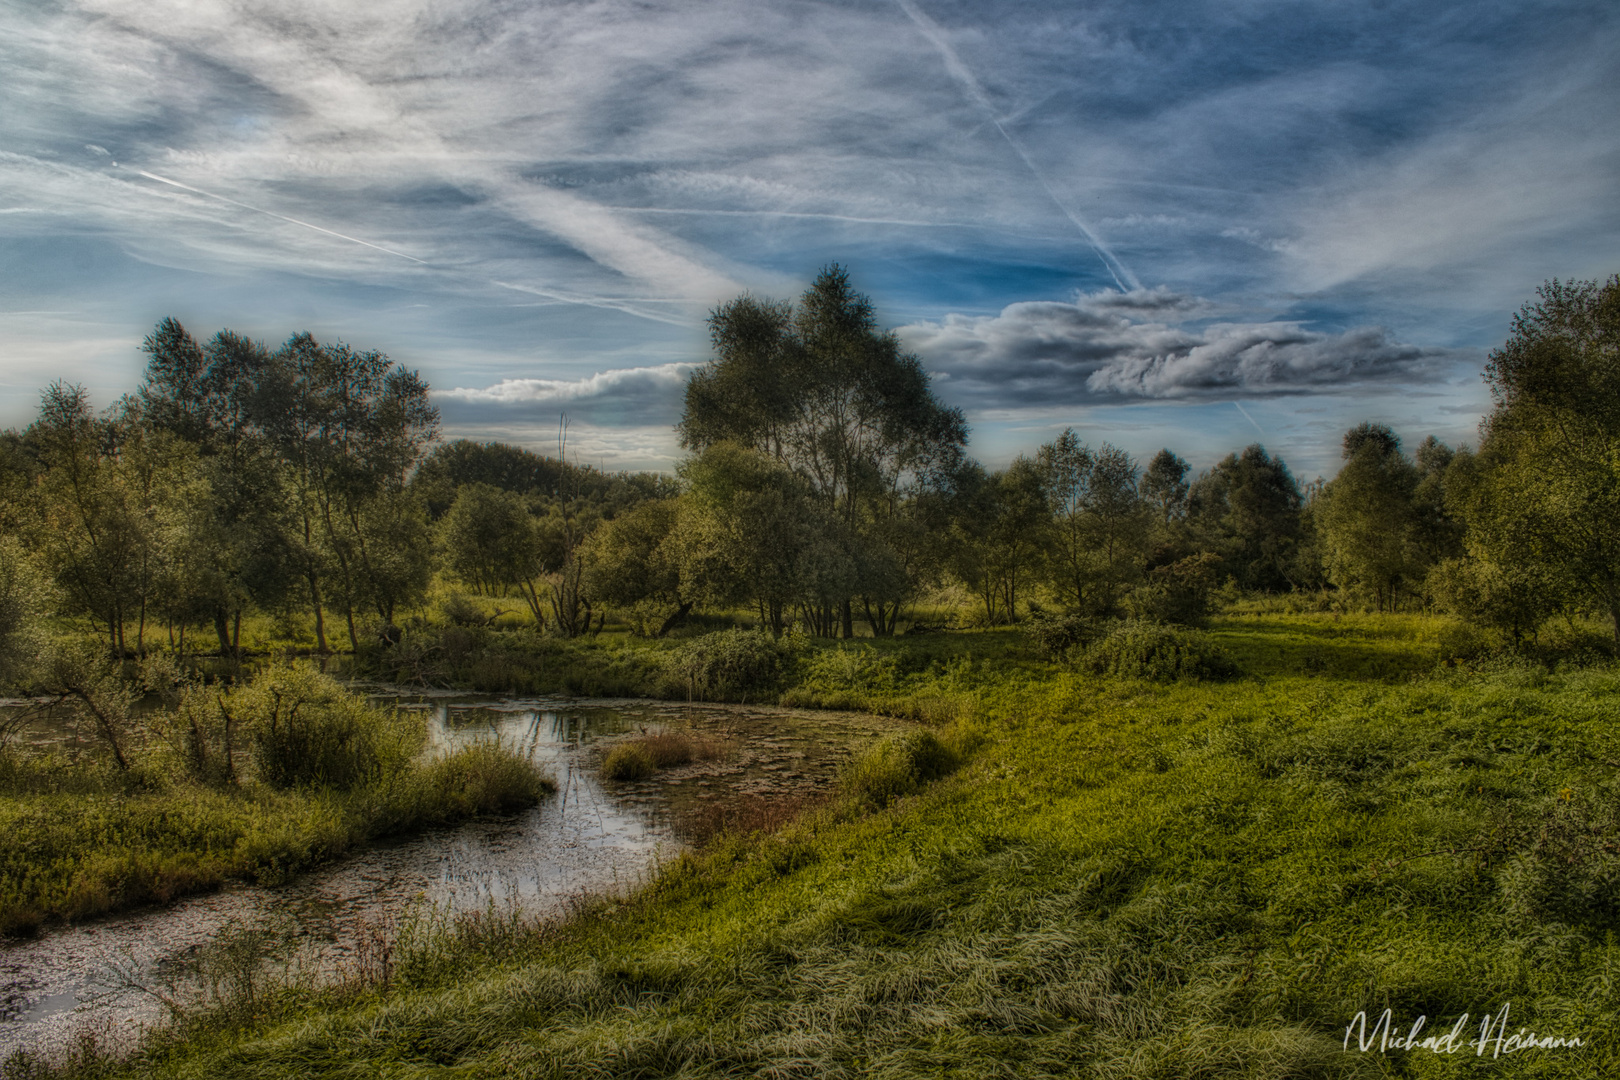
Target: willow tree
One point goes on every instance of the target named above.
(821, 390)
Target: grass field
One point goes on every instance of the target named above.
(1124, 879)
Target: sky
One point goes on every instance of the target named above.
(1183, 224)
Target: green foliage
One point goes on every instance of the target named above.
(1137, 650)
(307, 730)
(1247, 508)
(735, 664)
(1181, 592)
(1056, 636)
(1545, 490)
(628, 761)
(23, 608)
(896, 767)
(819, 390)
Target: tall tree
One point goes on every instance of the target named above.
(1247, 509)
(1164, 486)
(1548, 489)
(1099, 520)
(1366, 516)
(818, 388)
(351, 425)
(1001, 532)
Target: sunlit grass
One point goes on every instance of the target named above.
(1126, 879)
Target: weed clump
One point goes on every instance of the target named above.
(640, 758)
(1136, 650)
(629, 761)
(897, 767)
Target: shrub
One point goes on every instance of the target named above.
(1054, 636)
(1136, 650)
(640, 758)
(898, 766)
(1179, 593)
(307, 730)
(735, 664)
(846, 667)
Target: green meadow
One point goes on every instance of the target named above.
(1063, 873)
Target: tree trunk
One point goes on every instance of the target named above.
(849, 619)
(320, 618)
(674, 620)
(223, 629)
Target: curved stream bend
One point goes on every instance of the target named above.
(590, 838)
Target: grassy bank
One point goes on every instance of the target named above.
(305, 783)
(1127, 879)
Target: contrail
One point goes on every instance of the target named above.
(591, 301)
(547, 293)
(1250, 419)
(279, 217)
(959, 71)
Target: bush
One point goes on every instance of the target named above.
(1136, 650)
(1179, 593)
(306, 730)
(1055, 636)
(898, 766)
(735, 664)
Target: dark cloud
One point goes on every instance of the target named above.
(1144, 344)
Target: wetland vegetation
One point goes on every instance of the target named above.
(1192, 769)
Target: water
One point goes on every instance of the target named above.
(590, 838)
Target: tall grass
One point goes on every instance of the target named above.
(1125, 879)
(319, 772)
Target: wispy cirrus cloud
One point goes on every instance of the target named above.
(559, 189)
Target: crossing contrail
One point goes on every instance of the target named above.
(959, 71)
(279, 217)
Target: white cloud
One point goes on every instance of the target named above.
(1150, 344)
(628, 397)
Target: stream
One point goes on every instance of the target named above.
(592, 837)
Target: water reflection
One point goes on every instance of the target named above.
(589, 838)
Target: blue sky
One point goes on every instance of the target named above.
(1184, 224)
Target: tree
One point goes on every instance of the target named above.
(100, 509)
(234, 541)
(817, 388)
(23, 606)
(752, 531)
(1002, 528)
(634, 563)
(1367, 519)
(1247, 510)
(350, 426)
(1164, 486)
(1548, 488)
(1099, 520)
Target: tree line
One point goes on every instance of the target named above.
(824, 485)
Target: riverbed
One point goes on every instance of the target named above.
(592, 837)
